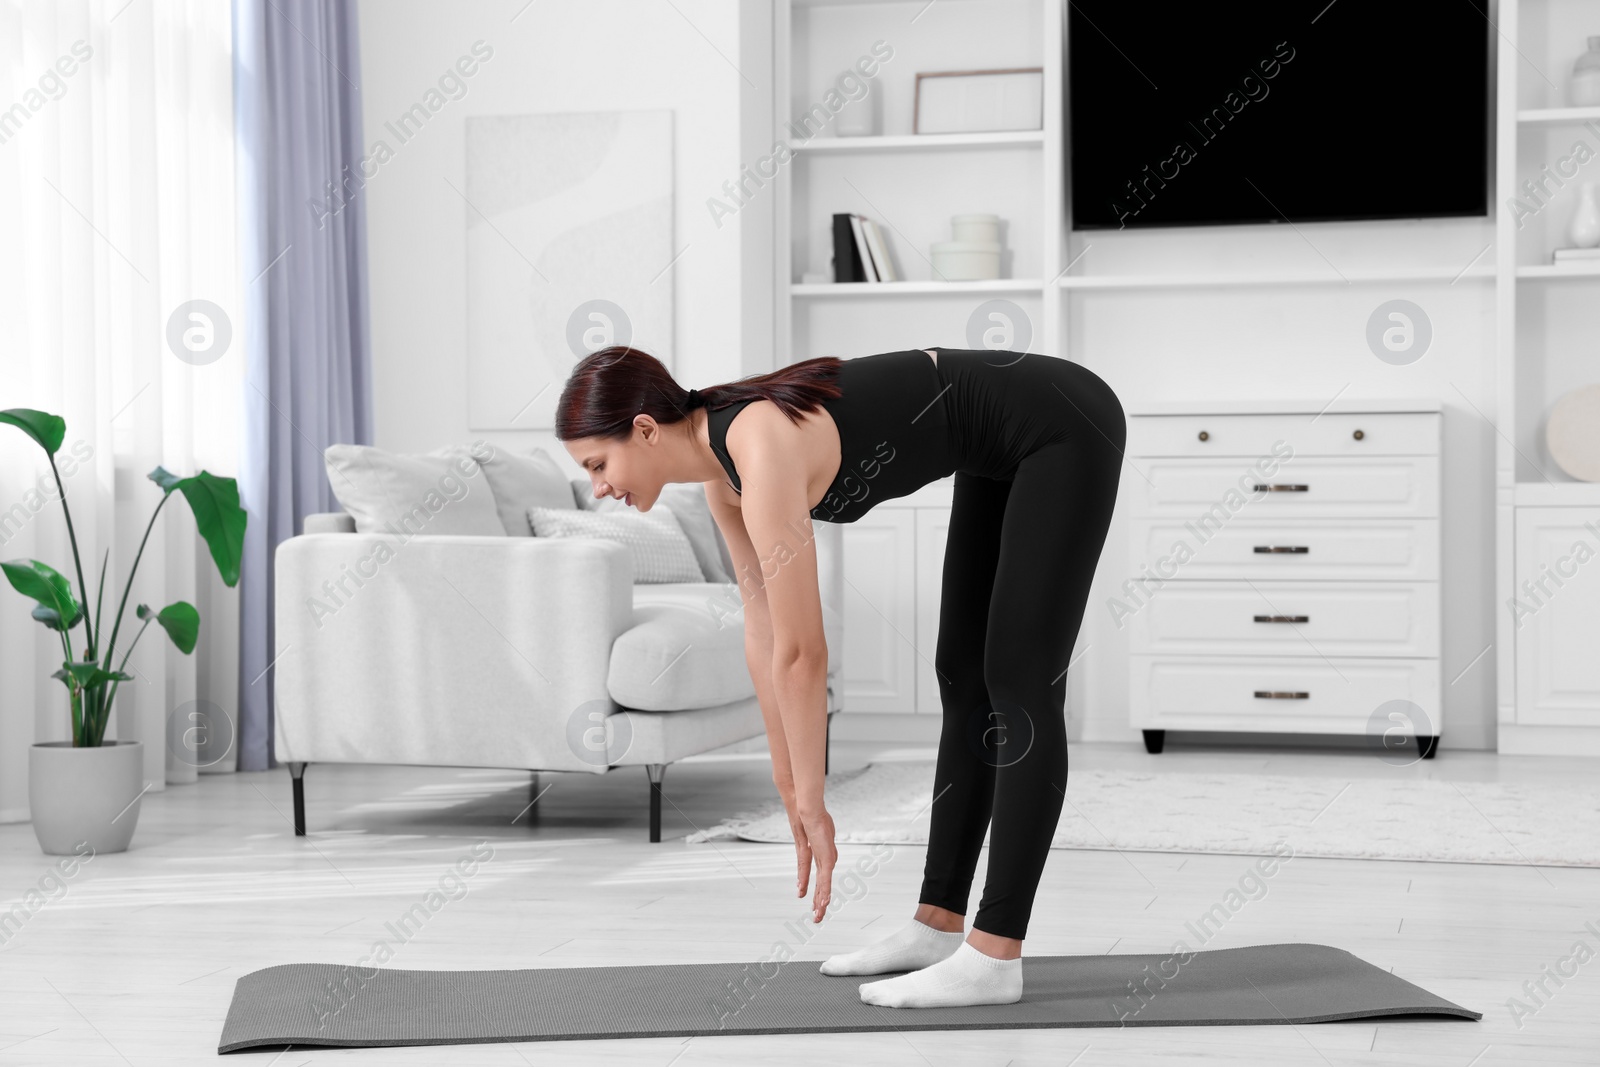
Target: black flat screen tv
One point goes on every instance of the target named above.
(1247, 112)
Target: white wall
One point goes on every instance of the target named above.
(550, 57)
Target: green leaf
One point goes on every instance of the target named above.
(89, 674)
(52, 618)
(66, 680)
(44, 584)
(215, 503)
(179, 619)
(47, 429)
(165, 478)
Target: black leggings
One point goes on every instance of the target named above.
(1019, 559)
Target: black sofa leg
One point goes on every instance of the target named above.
(656, 771)
(297, 771)
(1154, 740)
(533, 800)
(1429, 743)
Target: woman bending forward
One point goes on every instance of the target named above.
(1035, 444)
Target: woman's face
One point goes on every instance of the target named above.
(627, 469)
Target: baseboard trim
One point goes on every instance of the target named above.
(1522, 740)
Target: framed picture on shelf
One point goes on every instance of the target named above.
(979, 101)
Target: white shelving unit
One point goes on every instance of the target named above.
(910, 184)
(917, 142)
(1537, 271)
(925, 288)
(1548, 677)
(1556, 116)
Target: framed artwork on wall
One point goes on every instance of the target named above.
(568, 220)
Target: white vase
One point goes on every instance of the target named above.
(859, 118)
(1584, 229)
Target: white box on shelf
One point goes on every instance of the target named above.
(965, 261)
(972, 101)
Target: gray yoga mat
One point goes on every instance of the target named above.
(309, 1005)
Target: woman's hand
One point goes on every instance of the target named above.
(813, 842)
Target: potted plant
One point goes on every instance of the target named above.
(88, 790)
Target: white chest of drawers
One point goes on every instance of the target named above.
(1284, 570)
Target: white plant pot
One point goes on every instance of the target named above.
(84, 795)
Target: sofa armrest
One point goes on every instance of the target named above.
(329, 522)
(445, 650)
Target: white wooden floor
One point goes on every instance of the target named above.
(135, 962)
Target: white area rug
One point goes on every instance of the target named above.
(1392, 817)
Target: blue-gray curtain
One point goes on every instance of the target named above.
(303, 251)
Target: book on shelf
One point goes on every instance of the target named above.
(860, 253)
(880, 251)
(863, 253)
(846, 260)
(1569, 254)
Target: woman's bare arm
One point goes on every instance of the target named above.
(777, 549)
(757, 631)
(777, 522)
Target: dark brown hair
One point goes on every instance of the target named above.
(609, 387)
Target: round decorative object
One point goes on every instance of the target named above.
(965, 261)
(1572, 433)
(975, 227)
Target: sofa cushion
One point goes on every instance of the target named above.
(686, 648)
(657, 544)
(523, 481)
(438, 492)
(688, 502)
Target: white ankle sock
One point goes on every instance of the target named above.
(965, 977)
(914, 945)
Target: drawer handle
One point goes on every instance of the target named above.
(1298, 550)
(1258, 487)
(1270, 694)
(1283, 618)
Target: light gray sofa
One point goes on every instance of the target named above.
(513, 652)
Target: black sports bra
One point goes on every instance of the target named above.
(894, 432)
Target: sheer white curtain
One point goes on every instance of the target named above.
(117, 211)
